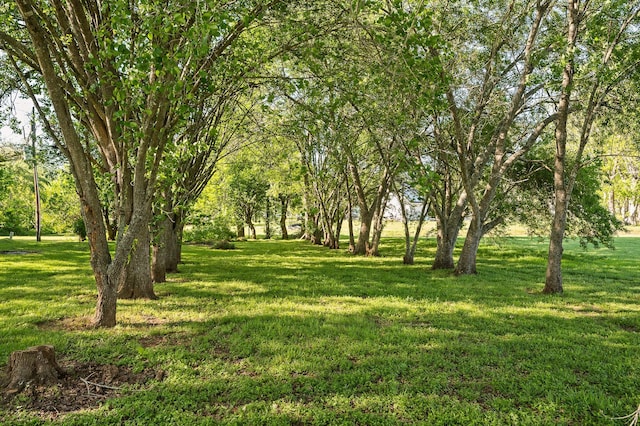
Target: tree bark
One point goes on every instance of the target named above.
(467, 261)
(173, 242)
(448, 228)
(137, 282)
(284, 207)
(158, 263)
(35, 364)
(362, 244)
(553, 276)
(267, 220)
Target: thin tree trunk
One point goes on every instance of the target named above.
(284, 207)
(174, 243)
(252, 230)
(553, 276)
(267, 224)
(36, 180)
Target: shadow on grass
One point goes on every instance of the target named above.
(285, 332)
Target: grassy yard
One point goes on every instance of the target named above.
(282, 332)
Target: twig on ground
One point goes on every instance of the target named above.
(86, 382)
(635, 416)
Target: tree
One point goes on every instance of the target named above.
(248, 190)
(127, 73)
(621, 188)
(16, 196)
(493, 101)
(599, 53)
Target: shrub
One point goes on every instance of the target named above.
(207, 232)
(223, 245)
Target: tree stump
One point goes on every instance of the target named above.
(33, 365)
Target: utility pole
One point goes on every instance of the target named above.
(36, 186)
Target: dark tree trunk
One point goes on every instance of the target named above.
(36, 364)
(352, 240)
(267, 224)
(111, 226)
(240, 230)
(158, 263)
(137, 282)
(284, 207)
(173, 243)
(447, 235)
(252, 230)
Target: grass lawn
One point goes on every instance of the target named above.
(282, 332)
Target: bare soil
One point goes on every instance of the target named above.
(84, 386)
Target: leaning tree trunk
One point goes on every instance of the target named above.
(36, 364)
(374, 248)
(468, 255)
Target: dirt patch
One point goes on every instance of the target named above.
(84, 386)
(66, 324)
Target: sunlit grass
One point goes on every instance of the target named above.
(283, 332)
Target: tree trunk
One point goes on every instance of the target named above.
(240, 230)
(252, 230)
(173, 243)
(315, 231)
(137, 282)
(352, 240)
(468, 255)
(267, 223)
(158, 263)
(553, 277)
(447, 235)
(362, 245)
(36, 364)
(284, 206)
(159, 250)
(374, 248)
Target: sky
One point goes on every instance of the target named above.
(22, 109)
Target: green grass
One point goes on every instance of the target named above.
(282, 332)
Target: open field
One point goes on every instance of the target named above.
(282, 332)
